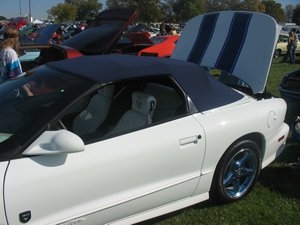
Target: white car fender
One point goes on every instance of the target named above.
(240, 120)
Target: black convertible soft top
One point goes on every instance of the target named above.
(203, 89)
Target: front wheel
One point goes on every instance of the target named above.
(236, 172)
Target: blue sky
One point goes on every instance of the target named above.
(11, 8)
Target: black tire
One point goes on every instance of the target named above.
(236, 172)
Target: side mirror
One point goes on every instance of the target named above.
(55, 143)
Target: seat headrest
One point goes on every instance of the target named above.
(143, 103)
(166, 96)
(106, 91)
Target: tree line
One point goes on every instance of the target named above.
(176, 11)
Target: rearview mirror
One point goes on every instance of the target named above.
(55, 143)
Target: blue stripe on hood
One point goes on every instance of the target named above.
(205, 33)
(234, 42)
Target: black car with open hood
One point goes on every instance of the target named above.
(101, 37)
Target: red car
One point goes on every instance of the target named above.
(18, 22)
(163, 46)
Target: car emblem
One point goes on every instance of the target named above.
(24, 217)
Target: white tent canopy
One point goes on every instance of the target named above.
(37, 21)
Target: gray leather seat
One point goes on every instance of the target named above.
(95, 113)
(168, 101)
(140, 114)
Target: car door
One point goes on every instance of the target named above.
(111, 179)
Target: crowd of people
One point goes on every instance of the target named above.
(165, 29)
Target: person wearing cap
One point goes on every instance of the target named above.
(10, 66)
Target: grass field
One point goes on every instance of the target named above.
(275, 200)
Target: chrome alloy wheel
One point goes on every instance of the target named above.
(240, 173)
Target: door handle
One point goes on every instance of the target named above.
(189, 140)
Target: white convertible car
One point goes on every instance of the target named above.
(117, 139)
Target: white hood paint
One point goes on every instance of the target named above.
(240, 43)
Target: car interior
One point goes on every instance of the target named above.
(124, 107)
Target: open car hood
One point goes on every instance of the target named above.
(102, 33)
(239, 43)
(46, 34)
(43, 37)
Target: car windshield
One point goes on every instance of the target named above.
(29, 103)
